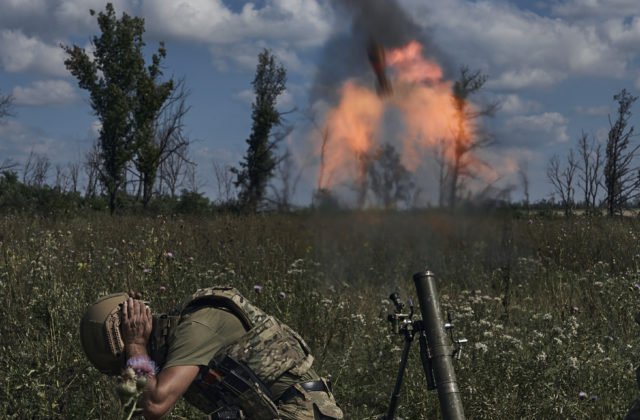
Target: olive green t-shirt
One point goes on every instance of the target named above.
(202, 333)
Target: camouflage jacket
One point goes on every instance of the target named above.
(240, 374)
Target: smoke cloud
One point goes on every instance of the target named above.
(345, 53)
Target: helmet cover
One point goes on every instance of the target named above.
(100, 333)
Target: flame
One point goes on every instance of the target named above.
(410, 65)
(430, 116)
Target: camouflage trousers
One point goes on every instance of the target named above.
(310, 405)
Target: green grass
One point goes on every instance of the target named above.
(547, 304)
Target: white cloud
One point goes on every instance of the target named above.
(296, 22)
(23, 54)
(594, 9)
(96, 126)
(45, 92)
(57, 18)
(593, 110)
(17, 140)
(245, 96)
(623, 34)
(284, 102)
(520, 49)
(513, 104)
(536, 130)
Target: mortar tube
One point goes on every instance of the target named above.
(439, 347)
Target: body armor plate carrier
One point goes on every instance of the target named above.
(238, 377)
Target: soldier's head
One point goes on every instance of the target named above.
(100, 333)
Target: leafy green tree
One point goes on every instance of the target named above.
(621, 178)
(125, 95)
(259, 162)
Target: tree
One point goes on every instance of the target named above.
(466, 137)
(259, 162)
(288, 177)
(562, 180)
(590, 171)
(6, 105)
(124, 94)
(621, 178)
(167, 141)
(390, 181)
(91, 165)
(224, 182)
(36, 169)
(523, 175)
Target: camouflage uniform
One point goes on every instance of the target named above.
(262, 373)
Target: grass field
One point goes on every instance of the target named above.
(546, 304)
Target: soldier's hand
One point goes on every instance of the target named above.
(136, 322)
(135, 295)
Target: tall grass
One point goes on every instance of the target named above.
(547, 304)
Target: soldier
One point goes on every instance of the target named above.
(224, 355)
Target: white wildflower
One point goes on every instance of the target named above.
(482, 347)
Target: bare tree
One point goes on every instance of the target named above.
(621, 178)
(8, 165)
(590, 171)
(523, 175)
(6, 106)
(562, 180)
(36, 169)
(192, 183)
(224, 182)
(466, 139)
(390, 180)
(62, 178)
(441, 162)
(74, 169)
(172, 174)
(169, 141)
(91, 166)
(288, 176)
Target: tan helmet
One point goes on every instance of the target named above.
(100, 333)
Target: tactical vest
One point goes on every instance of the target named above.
(240, 374)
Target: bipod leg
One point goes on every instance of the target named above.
(393, 404)
(425, 357)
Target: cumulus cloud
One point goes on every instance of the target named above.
(593, 110)
(57, 18)
(45, 92)
(244, 96)
(513, 104)
(298, 22)
(24, 54)
(594, 9)
(520, 49)
(18, 140)
(535, 130)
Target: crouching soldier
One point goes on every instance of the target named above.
(224, 355)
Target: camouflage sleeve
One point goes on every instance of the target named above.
(634, 411)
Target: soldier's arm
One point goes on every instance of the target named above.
(162, 391)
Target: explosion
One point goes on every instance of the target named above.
(431, 116)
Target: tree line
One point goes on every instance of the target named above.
(142, 151)
(607, 176)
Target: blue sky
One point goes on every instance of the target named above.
(554, 65)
